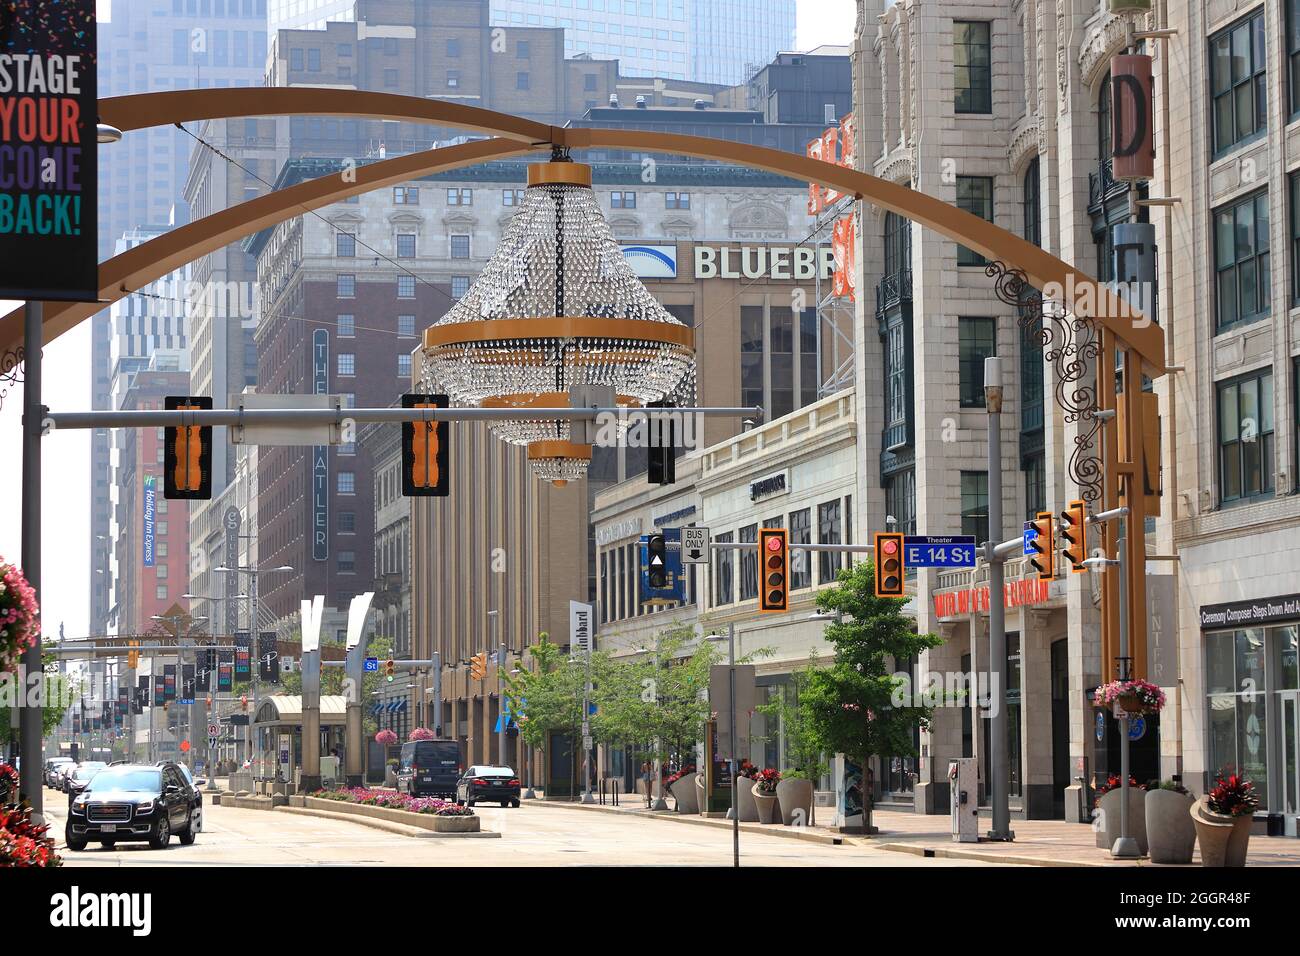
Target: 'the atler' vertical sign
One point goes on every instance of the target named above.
(48, 169)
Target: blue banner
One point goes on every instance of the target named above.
(147, 516)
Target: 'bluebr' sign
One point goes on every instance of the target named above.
(944, 551)
(148, 513)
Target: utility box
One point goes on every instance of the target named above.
(963, 789)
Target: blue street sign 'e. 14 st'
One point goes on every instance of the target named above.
(1031, 533)
(939, 551)
(372, 663)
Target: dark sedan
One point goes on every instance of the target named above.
(489, 785)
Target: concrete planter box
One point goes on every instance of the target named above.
(745, 800)
(766, 804)
(795, 798)
(1224, 840)
(1170, 831)
(684, 793)
(1108, 824)
(424, 821)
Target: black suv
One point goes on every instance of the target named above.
(133, 802)
(490, 784)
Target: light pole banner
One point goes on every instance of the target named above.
(49, 228)
(148, 505)
(580, 626)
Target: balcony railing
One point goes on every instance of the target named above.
(893, 290)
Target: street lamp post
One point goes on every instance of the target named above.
(494, 617)
(999, 768)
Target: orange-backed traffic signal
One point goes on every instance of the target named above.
(889, 564)
(425, 447)
(1074, 529)
(1043, 560)
(478, 666)
(389, 667)
(773, 569)
(133, 656)
(187, 457)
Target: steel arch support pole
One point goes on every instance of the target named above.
(30, 718)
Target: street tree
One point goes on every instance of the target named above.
(850, 706)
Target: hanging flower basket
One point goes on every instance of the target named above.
(421, 733)
(386, 738)
(20, 626)
(1134, 696)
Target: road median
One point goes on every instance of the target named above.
(422, 825)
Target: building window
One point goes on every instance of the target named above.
(161, 592)
(406, 287)
(512, 197)
(1295, 236)
(800, 563)
(828, 532)
(347, 326)
(523, 51)
(346, 286)
(1031, 198)
(1031, 377)
(404, 366)
(347, 483)
(724, 564)
(1035, 469)
(900, 502)
(345, 245)
(460, 197)
(460, 247)
(751, 355)
(976, 341)
(390, 79)
(521, 81)
(459, 286)
(347, 363)
(1245, 669)
(975, 504)
(347, 562)
(405, 245)
(622, 200)
(975, 196)
(1241, 260)
(749, 564)
(160, 529)
(347, 522)
(296, 59)
(1246, 437)
(406, 195)
(972, 61)
(453, 79)
(313, 60)
(453, 47)
(677, 201)
(1293, 52)
(589, 81)
(406, 325)
(898, 244)
(160, 572)
(1238, 84)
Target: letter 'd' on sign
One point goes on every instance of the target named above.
(1133, 142)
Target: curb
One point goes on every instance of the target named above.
(387, 825)
(826, 839)
(945, 853)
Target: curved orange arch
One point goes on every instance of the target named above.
(1073, 287)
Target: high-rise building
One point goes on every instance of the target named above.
(708, 41)
(148, 46)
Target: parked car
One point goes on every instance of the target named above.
(429, 768)
(133, 802)
(489, 784)
(75, 779)
(196, 809)
(51, 770)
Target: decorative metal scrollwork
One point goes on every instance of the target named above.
(1071, 344)
(11, 371)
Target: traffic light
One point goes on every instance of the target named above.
(888, 546)
(774, 568)
(187, 457)
(478, 666)
(425, 446)
(1044, 545)
(389, 667)
(1074, 529)
(243, 702)
(133, 656)
(208, 702)
(657, 560)
(662, 460)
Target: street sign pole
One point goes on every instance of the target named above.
(999, 768)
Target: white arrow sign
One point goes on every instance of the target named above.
(696, 546)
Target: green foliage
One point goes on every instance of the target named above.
(331, 680)
(548, 693)
(849, 706)
(60, 692)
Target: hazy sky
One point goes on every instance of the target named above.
(66, 488)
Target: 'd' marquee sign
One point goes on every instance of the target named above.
(49, 228)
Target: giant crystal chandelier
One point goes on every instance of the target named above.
(557, 306)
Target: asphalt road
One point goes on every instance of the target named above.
(531, 836)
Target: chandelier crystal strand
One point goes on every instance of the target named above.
(557, 306)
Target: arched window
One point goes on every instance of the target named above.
(898, 244)
(1031, 201)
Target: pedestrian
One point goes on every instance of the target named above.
(646, 771)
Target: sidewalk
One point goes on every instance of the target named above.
(1037, 842)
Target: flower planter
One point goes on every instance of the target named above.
(1108, 823)
(745, 800)
(1171, 835)
(766, 805)
(683, 792)
(1224, 839)
(701, 798)
(1131, 703)
(794, 796)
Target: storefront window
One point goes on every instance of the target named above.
(828, 532)
(749, 564)
(724, 563)
(800, 533)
